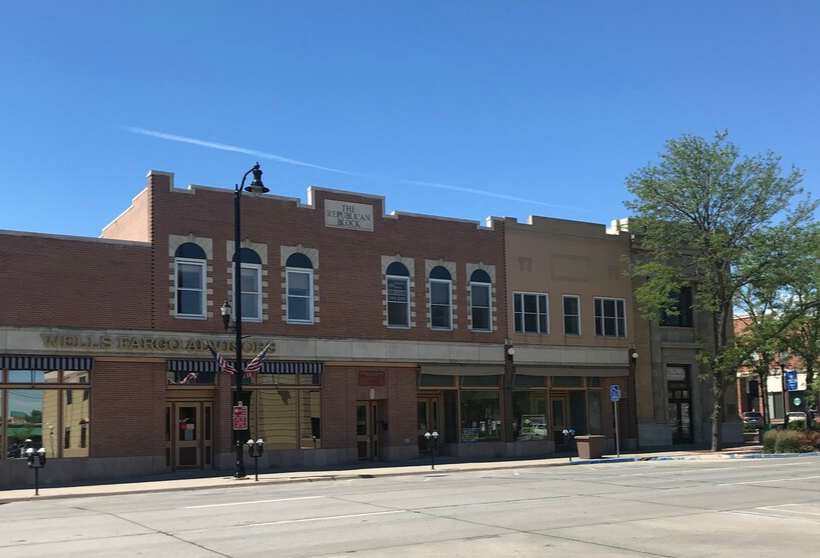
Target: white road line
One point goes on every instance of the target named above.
(770, 480)
(753, 514)
(325, 518)
(777, 509)
(255, 502)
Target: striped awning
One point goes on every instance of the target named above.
(45, 362)
(272, 367)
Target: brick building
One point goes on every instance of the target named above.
(380, 327)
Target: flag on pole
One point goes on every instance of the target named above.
(220, 360)
(256, 364)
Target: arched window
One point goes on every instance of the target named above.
(250, 285)
(398, 295)
(441, 298)
(189, 264)
(299, 273)
(481, 301)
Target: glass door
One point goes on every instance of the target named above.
(559, 405)
(367, 430)
(191, 434)
(428, 420)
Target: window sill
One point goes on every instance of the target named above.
(190, 317)
(292, 322)
(398, 327)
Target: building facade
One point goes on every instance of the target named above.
(379, 327)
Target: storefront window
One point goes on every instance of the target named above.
(595, 419)
(530, 381)
(479, 381)
(530, 415)
(567, 381)
(480, 416)
(435, 380)
(578, 412)
(310, 419)
(25, 420)
(77, 418)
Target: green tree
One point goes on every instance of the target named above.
(707, 217)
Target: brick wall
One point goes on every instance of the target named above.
(58, 281)
(349, 273)
(128, 409)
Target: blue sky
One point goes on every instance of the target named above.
(536, 107)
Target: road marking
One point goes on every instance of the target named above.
(325, 518)
(754, 514)
(255, 502)
(770, 480)
(777, 509)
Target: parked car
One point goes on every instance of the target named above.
(797, 415)
(753, 418)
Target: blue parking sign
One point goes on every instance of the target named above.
(615, 393)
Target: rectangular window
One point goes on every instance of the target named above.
(531, 311)
(683, 307)
(84, 435)
(530, 415)
(480, 306)
(300, 296)
(398, 301)
(250, 286)
(310, 419)
(480, 416)
(595, 418)
(67, 439)
(610, 317)
(441, 309)
(69, 398)
(190, 288)
(572, 315)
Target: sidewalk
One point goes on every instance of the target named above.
(444, 465)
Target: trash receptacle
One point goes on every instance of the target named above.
(590, 447)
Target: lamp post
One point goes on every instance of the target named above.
(783, 357)
(256, 188)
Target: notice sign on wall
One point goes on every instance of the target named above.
(348, 215)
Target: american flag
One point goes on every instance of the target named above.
(256, 364)
(220, 360)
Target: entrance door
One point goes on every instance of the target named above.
(429, 420)
(680, 417)
(191, 436)
(367, 430)
(560, 413)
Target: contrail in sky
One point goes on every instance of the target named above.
(289, 161)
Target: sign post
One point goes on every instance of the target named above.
(615, 396)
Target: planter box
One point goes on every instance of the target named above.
(590, 447)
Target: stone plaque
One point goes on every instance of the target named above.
(348, 215)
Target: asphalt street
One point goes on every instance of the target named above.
(702, 508)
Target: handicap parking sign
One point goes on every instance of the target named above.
(615, 393)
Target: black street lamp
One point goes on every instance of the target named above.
(783, 359)
(256, 188)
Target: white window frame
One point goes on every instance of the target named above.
(489, 307)
(545, 311)
(258, 293)
(600, 322)
(578, 315)
(449, 283)
(203, 291)
(309, 273)
(387, 279)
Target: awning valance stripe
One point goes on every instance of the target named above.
(273, 367)
(45, 362)
(571, 371)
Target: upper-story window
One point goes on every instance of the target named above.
(250, 285)
(189, 263)
(610, 317)
(398, 295)
(531, 310)
(572, 315)
(299, 271)
(683, 306)
(480, 301)
(441, 298)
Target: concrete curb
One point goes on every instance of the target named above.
(772, 455)
(629, 459)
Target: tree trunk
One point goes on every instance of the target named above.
(719, 393)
